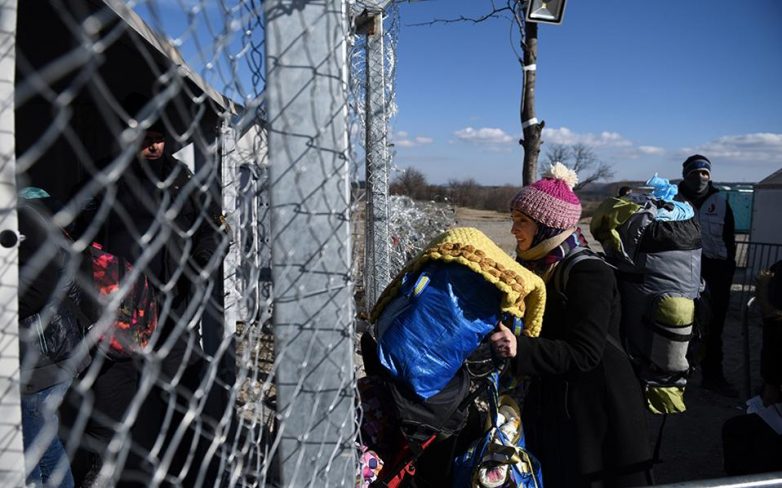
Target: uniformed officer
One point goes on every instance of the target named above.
(718, 261)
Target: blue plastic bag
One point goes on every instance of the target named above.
(662, 189)
(435, 322)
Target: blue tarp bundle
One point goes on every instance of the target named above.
(662, 189)
(436, 321)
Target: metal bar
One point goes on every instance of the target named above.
(11, 448)
(230, 179)
(378, 248)
(306, 93)
(751, 481)
(747, 386)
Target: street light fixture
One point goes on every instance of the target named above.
(547, 12)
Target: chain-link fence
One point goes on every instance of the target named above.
(372, 99)
(177, 280)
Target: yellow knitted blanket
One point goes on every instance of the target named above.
(523, 292)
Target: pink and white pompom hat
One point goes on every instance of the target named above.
(550, 200)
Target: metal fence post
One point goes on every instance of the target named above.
(378, 249)
(306, 92)
(11, 449)
(230, 179)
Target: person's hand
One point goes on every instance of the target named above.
(503, 342)
(771, 394)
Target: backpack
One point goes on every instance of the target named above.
(430, 347)
(397, 426)
(499, 458)
(135, 317)
(655, 252)
(431, 354)
(438, 318)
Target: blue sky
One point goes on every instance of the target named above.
(644, 83)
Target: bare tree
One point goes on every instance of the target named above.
(412, 183)
(463, 192)
(554, 153)
(582, 159)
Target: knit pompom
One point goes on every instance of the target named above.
(559, 171)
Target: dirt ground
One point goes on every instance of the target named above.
(691, 447)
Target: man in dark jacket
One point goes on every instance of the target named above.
(162, 221)
(718, 261)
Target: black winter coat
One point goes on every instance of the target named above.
(54, 313)
(584, 413)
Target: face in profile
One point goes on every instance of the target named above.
(153, 145)
(524, 230)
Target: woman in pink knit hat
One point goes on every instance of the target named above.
(584, 414)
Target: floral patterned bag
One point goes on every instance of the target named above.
(136, 316)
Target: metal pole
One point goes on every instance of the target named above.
(767, 480)
(231, 263)
(11, 448)
(746, 390)
(306, 93)
(378, 248)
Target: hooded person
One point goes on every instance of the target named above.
(162, 221)
(718, 232)
(584, 413)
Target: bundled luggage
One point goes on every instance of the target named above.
(498, 459)
(429, 355)
(654, 243)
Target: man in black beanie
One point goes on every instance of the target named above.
(718, 262)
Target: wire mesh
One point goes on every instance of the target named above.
(377, 165)
(184, 310)
(372, 96)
